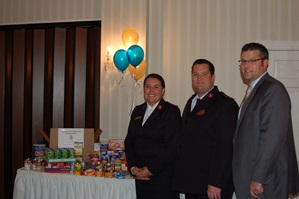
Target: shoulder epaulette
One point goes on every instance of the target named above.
(226, 96)
(170, 103)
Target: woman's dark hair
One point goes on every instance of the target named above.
(156, 76)
(204, 61)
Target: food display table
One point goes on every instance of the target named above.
(37, 185)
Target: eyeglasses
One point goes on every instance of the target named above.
(251, 61)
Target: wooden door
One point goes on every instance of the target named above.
(49, 77)
(284, 66)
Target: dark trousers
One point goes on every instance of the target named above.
(155, 191)
(196, 196)
(224, 195)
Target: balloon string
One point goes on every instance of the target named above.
(133, 100)
(139, 84)
(122, 79)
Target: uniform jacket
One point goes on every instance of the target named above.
(264, 145)
(154, 144)
(205, 151)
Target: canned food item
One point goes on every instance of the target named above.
(117, 165)
(99, 172)
(104, 160)
(108, 174)
(108, 166)
(39, 169)
(101, 168)
(57, 153)
(72, 153)
(94, 158)
(88, 172)
(77, 168)
(50, 153)
(54, 165)
(61, 165)
(103, 146)
(38, 162)
(122, 154)
(67, 165)
(84, 164)
(72, 167)
(46, 153)
(124, 166)
(47, 165)
(38, 150)
(113, 157)
(121, 175)
(65, 153)
(27, 164)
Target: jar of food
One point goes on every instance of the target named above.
(108, 173)
(99, 172)
(39, 164)
(27, 164)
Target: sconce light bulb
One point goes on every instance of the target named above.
(109, 66)
(108, 50)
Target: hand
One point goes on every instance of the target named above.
(146, 172)
(213, 192)
(140, 173)
(256, 189)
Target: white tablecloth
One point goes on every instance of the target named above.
(39, 185)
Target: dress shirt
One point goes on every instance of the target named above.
(194, 100)
(149, 111)
(252, 84)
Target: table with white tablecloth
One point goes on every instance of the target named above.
(40, 185)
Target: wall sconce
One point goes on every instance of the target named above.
(108, 64)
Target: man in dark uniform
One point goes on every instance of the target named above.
(204, 163)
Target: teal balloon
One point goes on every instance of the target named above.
(120, 60)
(135, 55)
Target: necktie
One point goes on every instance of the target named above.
(248, 91)
(194, 103)
(197, 101)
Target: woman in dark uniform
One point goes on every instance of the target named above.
(151, 142)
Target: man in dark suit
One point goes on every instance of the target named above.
(203, 166)
(264, 159)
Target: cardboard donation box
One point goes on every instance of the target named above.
(72, 138)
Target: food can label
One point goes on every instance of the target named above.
(38, 150)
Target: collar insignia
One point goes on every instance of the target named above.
(210, 95)
(160, 107)
(201, 112)
(138, 118)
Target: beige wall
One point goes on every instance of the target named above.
(178, 32)
(119, 92)
(173, 34)
(41, 11)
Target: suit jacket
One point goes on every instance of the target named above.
(205, 152)
(154, 144)
(264, 145)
